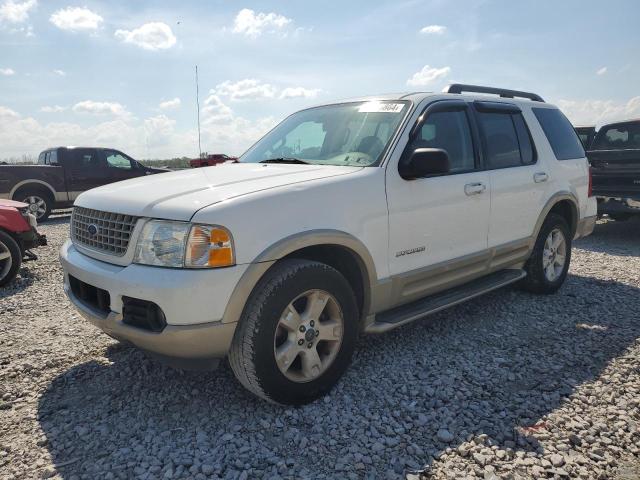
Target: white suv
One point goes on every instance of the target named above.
(358, 216)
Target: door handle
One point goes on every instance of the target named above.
(540, 177)
(474, 188)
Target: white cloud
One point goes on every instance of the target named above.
(247, 89)
(428, 76)
(7, 72)
(153, 137)
(53, 109)
(62, 73)
(601, 71)
(300, 92)
(16, 12)
(76, 19)
(433, 30)
(252, 24)
(215, 111)
(170, 104)
(100, 108)
(598, 112)
(7, 113)
(150, 36)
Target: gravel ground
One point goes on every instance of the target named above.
(509, 385)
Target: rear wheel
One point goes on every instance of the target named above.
(548, 264)
(297, 333)
(10, 258)
(40, 203)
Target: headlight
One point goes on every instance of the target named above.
(180, 244)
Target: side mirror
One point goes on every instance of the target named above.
(424, 162)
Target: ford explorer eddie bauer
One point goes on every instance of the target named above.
(358, 216)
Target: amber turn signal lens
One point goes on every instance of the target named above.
(209, 246)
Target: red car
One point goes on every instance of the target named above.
(18, 235)
(211, 159)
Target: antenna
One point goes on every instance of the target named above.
(198, 106)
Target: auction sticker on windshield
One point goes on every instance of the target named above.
(379, 107)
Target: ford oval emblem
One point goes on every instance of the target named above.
(92, 230)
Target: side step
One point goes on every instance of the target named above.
(425, 306)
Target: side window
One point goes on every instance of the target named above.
(117, 160)
(527, 153)
(53, 157)
(503, 147)
(41, 158)
(449, 131)
(84, 159)
(562, 137)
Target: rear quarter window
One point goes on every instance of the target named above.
(560, 133)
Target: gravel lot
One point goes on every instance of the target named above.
(509, 385)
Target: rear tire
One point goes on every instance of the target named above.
(40, 202)
(548, 264)
(297, 333)
(10, 258)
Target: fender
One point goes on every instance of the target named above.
(29, 181)
(557, 197)
(268, 257)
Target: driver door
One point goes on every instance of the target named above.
(120, 167)
(438, 226)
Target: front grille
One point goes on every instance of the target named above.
(94, 297)
(103, 231)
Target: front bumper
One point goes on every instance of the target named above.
(193, 302)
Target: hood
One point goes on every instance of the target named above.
(12, 204)
(178, 195)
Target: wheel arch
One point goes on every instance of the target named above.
(34, 184)
(564, 204)
(338, 249)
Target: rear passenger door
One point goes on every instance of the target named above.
(84, 169)
(517, 177)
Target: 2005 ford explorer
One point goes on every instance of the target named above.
(353, 217)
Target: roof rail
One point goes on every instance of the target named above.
(503, 92)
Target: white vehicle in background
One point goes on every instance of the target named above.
(358, 216)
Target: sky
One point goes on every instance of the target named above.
(121, 74)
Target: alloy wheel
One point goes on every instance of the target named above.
(5, 260)
(554, 255)
(308, 336)
(37, 205)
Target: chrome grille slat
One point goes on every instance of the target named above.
(113, 230)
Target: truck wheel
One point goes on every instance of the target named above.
(10, 258)
(40, 203)
(548, 264)
(297, 333)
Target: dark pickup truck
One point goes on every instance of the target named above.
(615, 166)
(63, 173)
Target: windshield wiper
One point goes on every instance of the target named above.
(284, 160)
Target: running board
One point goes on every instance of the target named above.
(425, 306)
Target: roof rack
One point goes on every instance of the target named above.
(503, 92)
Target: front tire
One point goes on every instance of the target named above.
(548, 264)
(10, 258)
(297, 333)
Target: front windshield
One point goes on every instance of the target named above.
(351, 134)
